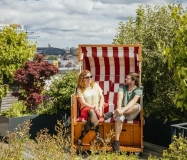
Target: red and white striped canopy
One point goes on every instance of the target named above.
(110, 62)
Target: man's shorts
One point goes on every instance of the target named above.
(128, 117)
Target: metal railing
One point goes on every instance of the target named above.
(179, 129)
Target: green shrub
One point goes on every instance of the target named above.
(3, 90)
(56, 96)
(17, 109)
(49, 147)
(47, 106)
(150, 26)
(177, 149)
(60, 91)
(174, 53)
(15, 50)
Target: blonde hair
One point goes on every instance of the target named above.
(81, 84)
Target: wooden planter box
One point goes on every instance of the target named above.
(38, 122)
(156, 132)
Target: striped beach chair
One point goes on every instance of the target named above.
(109, 65)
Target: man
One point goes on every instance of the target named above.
(127, 105)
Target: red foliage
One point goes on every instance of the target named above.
(31, 78)
(33, 101)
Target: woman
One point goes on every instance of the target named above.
(91, 100)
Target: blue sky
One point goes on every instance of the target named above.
(67, 23)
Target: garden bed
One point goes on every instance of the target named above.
(157, 132)
(38, 122)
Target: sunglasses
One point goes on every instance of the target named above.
(87, 77)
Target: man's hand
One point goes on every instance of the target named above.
(118, 112)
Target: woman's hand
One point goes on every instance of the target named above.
(100, 112)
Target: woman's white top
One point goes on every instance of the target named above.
(91, 95)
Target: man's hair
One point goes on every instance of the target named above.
(134, 77)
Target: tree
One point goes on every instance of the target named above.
(15, 50)
(175, 52)
(153, 25)
(31, 79)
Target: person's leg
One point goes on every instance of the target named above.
(91, 121)
(85, 112)
(93, 118)
(132, 109)
(95, 122)
(85, 130)
(118, 127)
(98, 135)
(132, 114)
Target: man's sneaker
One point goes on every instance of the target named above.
(115, 146)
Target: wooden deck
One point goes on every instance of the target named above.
(152, 149)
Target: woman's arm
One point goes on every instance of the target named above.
(80, 98)
(84, 104)
(101, 104)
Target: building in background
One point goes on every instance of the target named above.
(51, 51)
(60, 58)
(19, 27)
(74, 51)
(67, 49)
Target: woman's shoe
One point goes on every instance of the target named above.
(107, 115)
(79, 142)
(98, 137)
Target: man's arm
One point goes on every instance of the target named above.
(119, 99)
(129, 105)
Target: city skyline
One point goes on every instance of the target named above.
(67, 23)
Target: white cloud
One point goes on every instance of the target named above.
(67, 23)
